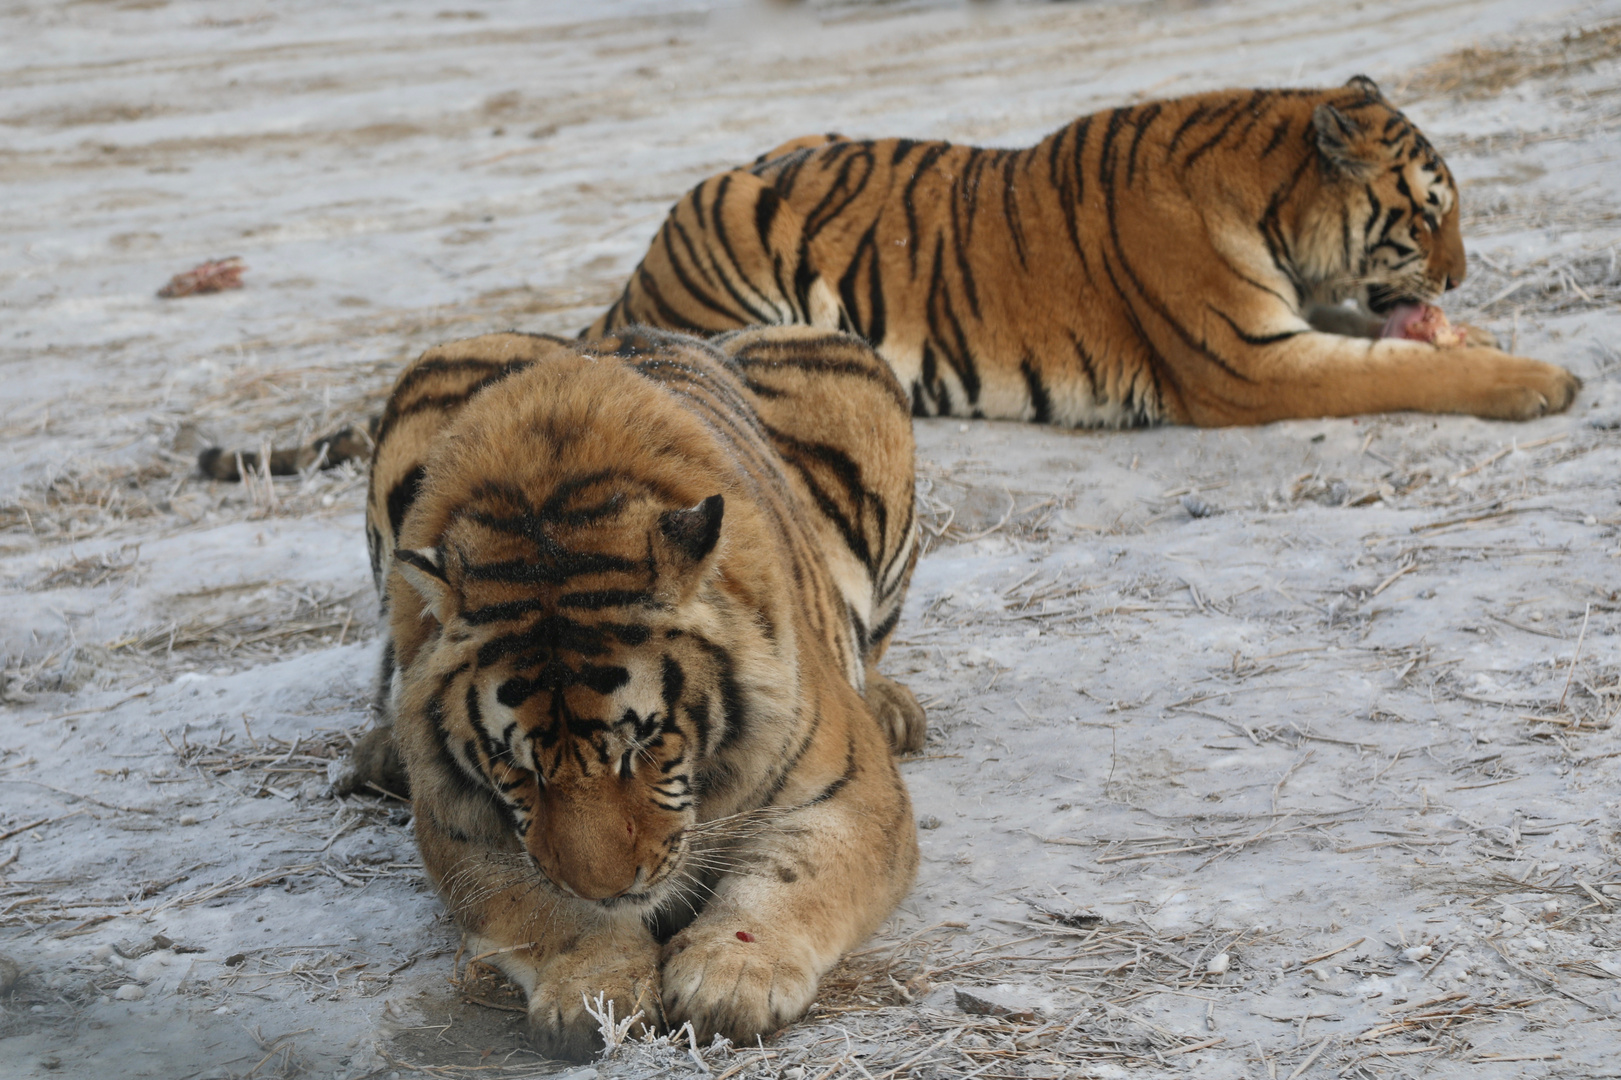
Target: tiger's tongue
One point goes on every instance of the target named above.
(1400, 318)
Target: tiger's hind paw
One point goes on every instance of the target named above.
(898, 713)
(373, 764)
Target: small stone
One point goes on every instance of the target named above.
(1534, 944)
(135, 948)
(188, 819)
(236, 959)
(928, 821)
(1416, 953)
(102, 953)
(130, 992)
(1196, 507)
(10, 973)
(985, 1002)
(1219, 964)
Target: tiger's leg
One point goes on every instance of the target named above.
(1316, 374)
(897, 709)
(373, 765)
(813, 888)
(558, 949)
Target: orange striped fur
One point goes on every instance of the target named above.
(1180, 261)
(635, 593)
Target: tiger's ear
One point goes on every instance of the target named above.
(688, 536)
(1367, 86)
(424, 570)
(1337, 139)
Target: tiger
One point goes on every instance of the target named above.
(634, 593)
(1227, 258)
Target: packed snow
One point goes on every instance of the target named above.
(1283, 751)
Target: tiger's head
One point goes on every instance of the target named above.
(1385, 227)
(579, 677)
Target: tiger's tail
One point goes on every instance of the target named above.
(328, 452)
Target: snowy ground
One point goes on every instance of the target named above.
(1329, 699)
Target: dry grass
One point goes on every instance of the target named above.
(1486, 71)
(288, 620)
(85, 501)
(1552, 285)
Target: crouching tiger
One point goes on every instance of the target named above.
(635, 591)
(1178, 261)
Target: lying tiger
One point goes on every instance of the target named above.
(1180, 261)
(635, 591)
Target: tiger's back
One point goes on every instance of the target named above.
(819, 403)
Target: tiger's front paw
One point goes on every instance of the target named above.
(726, 985)
(898, 713)
(1478, 336)
(624, 972)
(1520, 389)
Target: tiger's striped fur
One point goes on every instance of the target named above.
(635, 590)
(1178, 261)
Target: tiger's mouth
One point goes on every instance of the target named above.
(1388, 300)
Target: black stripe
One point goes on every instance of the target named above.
(1234, 111)
(1254, 339)
(1146, 116)
(401, 404)
(1198, 113)
(869, 324)
(1087, 368)
(1040, 402)
(961, 360)
(1010, 211)
(925, 162)
(850, 770)
(843, 469)
(1278, 134)
(755, 314)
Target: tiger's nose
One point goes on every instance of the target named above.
(1453, 282)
